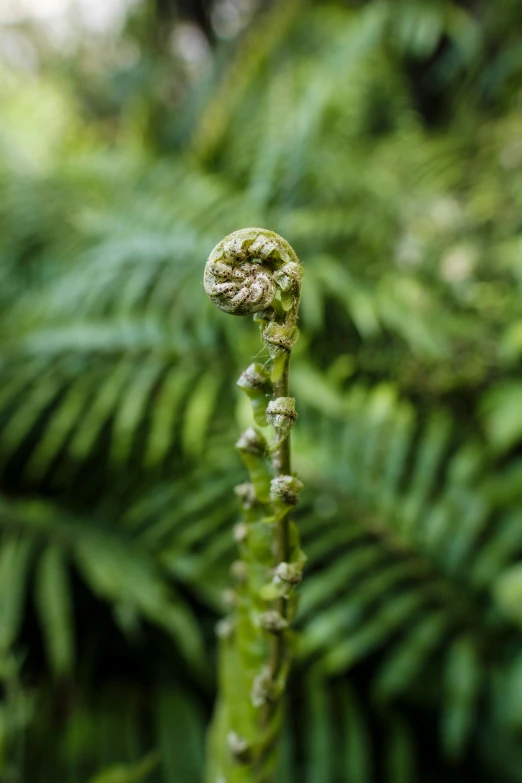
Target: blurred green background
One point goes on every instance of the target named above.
(383, 140)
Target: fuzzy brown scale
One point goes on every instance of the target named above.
(273, 622)
(285, 489)
(278, 337)
(246, 494)
(281, 413)
(252, 442)
(252, 378)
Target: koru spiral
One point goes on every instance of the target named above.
(247, 268)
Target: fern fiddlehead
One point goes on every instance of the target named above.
(255, 271)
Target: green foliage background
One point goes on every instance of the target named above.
(384, 141)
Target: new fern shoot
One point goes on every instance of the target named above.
(255, 271)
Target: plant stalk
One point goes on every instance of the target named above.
(282, 464)
(256, 271)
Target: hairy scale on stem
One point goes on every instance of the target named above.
(255, 271)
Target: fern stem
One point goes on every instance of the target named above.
(282, 463)
(256, 271)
